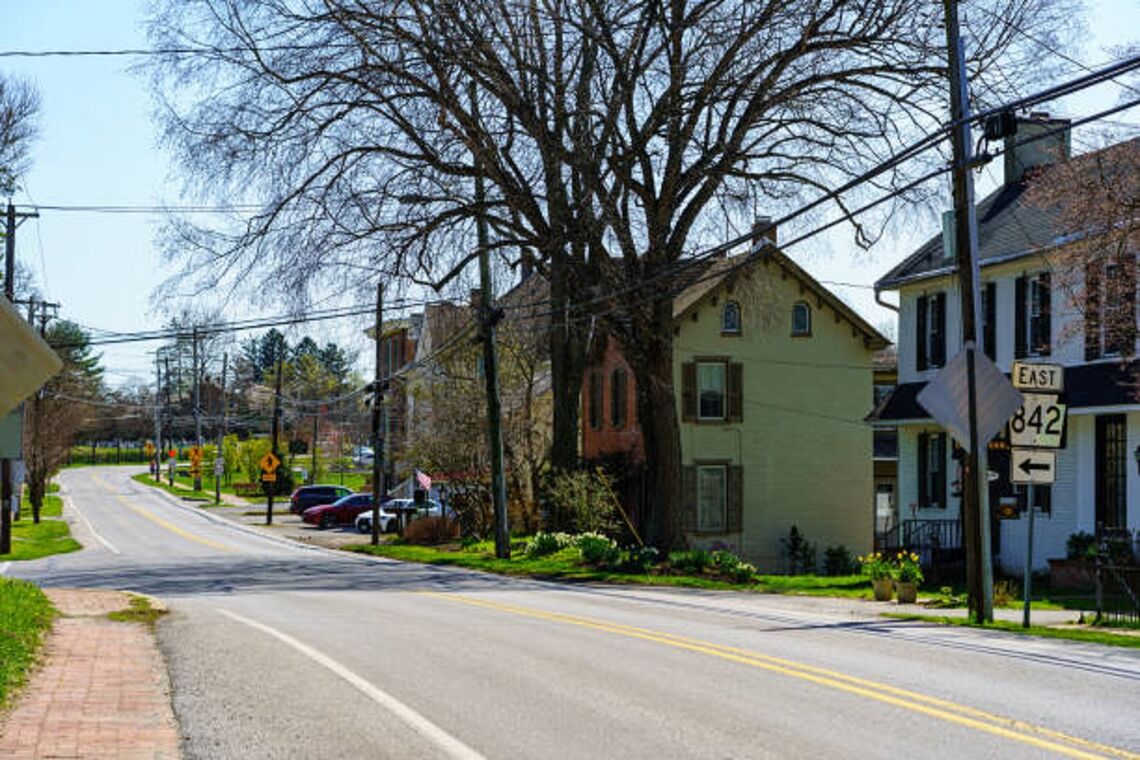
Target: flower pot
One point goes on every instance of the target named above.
(883, 588)
(907, 592)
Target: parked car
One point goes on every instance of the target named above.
(388, 521)
(363, 456)
(310, 496)
(341, 512)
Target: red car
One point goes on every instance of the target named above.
(341, 512)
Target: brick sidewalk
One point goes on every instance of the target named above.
(101, 692)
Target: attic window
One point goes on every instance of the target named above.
(801, 319)
(730, 318)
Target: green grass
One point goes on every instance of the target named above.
(140, 611)
(1088, 635)
(51, 536)
(146, 479)
(25, 616)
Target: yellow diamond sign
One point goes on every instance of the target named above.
(269, 462)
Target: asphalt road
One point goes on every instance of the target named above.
(279, 650)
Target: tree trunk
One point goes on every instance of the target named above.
(651, 360)
(567, 362)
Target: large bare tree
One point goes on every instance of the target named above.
(607, 132)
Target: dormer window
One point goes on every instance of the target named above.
(730, 318)
(801, 319)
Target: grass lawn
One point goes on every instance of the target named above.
(1090, 634)
(25, 616)
(51, 536)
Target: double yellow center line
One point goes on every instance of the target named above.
(941, 709)
(161, 522)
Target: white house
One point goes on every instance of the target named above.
(1025, 316)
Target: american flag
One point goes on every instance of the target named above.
(423, 481)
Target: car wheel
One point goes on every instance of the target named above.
(364, 526)
(327, 521)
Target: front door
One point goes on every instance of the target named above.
(1111, 471)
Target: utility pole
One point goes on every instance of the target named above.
(979, 573)
(158, 449)
(488, 317)
(170, 470)
(221, 436)
(273, 441)
(377, 434)
(196, 374)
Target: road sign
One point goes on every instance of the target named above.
(1038, 377)
(195, 455)
(219, 467)
(1032, 466)
(268, 477)
(1039, 423)
(173, 453)
(946, 398)
(148, 449)
(269, 464)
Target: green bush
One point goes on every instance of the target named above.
(693, 561)
(639, 559)
(1080, 545)
(837, 560)
(799, 553)
(580, 501)
(598, 550)
(743, 572)
(547, 543)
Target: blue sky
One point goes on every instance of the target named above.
(98, 146)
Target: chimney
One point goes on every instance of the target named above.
(763, 233)
(1055, 145)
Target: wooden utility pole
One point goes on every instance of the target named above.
(221, 435)
(979, 580)
(377, 403)
(197, 375)
(6, 464)
(158, 448)
(170, 469)
(273, 441)
(488, 318)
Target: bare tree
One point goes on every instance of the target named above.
(606, 131)
(19, 112)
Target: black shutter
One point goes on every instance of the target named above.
(938, 341)
(735, 518)
(689, 508)
(920, 333)
(1044, 338)
(1127, 298)
(942, 485)
(989, 320)
(1045, 498)
(735, 392)
(923, 470)
(1092, 310)
(1020, 347)
(688, 391)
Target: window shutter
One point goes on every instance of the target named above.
(1042, 341)
(735, 392)
(1020, 347)
(1127, 297)
(923, 472)
(735, 517)
(1022, 494)
(689, 391)
(1045, 498)
(938, 343)
(1092, 311)
(920, 333)
(941, 489)
(689, 508)
(989, 323)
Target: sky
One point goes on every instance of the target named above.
(98, 146)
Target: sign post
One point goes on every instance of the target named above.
(1038, 424)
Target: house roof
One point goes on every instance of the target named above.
(1009, 227)
(1100, 384)
(719, 270)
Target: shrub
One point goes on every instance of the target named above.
(837, 560)
(598, 550)
(724, 561)
(547, 543)
(743, 572)
(639, 559)
(580, 501)
(470, 499)
(1006, 593)
(431, 531)
(799, 553)
(693, 561)
(1080, 545)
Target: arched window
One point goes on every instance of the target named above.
(801, 319)
(730, 318)
(619, 398)
(597, 393)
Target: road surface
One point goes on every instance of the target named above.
(278, 650)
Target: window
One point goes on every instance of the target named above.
(619, 398)
(1031, 319)
(712, 498)
(930, 331)
(596, 396)
(1110, 308)
(932, 470)
(1038, 496)
(801, 319)
(710, 390)
(730, 319)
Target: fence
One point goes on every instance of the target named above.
(1118, 594)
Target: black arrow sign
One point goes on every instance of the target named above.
(1028, 466)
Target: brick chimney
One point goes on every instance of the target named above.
(763, 232)
(1055, 146)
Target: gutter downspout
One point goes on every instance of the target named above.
(884, 304)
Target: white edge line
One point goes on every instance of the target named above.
(421, 725)
(71, 505)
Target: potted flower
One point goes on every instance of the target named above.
(908, 574)
(882, 574)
